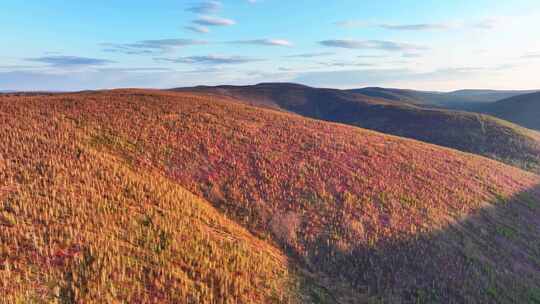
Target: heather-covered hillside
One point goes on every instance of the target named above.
(469, 132)
(95, 178)
(81, 225)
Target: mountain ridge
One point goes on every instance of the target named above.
(469, 132)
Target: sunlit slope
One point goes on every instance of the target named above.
(82, 226)
(475, 133)
(367, 216)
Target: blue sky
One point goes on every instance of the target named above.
(430, 45)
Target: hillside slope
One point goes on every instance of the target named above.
(407, 96)
(461, 99)
(523, 110)
(488, 96)
(367, 216)
(475, 133)
(78, 225)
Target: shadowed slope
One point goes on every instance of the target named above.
(523, 110)
(475, 133)
(82, 226)
(360, 211)
(489, 256)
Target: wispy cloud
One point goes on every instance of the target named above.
(372, 44)
(531, 56)
(151, 69)
(211, 59)
(399, 27)
(487, 24)
(267, 42)
(205, 7)
(343, 64)
(411, 55)
(284, 69)
(150, 47)
(214, 21)
(371, 56)
(70, 61)
(16, 67)
(197, 29)
(353, 23)
(310, 55)
(416, 27)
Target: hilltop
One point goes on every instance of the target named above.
(470, 132)
(95, 206)
(523, 110)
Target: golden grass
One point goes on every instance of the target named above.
(80, 226)
(357, 210)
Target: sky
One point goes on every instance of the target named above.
(60, 45)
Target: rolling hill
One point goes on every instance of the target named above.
(459, 100)
(474, 133)
(488, 96)
(94, 205)
(78, 225)
(523, 110)
(423, 98)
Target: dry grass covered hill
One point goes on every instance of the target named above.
(94, 206)
(469, 132)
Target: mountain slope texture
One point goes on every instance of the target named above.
(469, 132)
(94, 207)
(523, 110)
(462, 99)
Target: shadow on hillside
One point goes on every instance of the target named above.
(490, 257)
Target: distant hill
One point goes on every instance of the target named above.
(461, 100)
(523, 110)
(487, 96)
(98, 203)
(408, 96)
(475, 133)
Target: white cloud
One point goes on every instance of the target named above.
(205, 7)
(197, 29)
(211, 59)
(70, 61)
(310, 55)
(416, 27)
(214, 21)
(150, 47)
(372, 44)
(267, 42)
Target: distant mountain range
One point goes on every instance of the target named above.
(522, 109)
(461, 99)
(396, 113)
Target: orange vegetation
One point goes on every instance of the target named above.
(98, 176)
